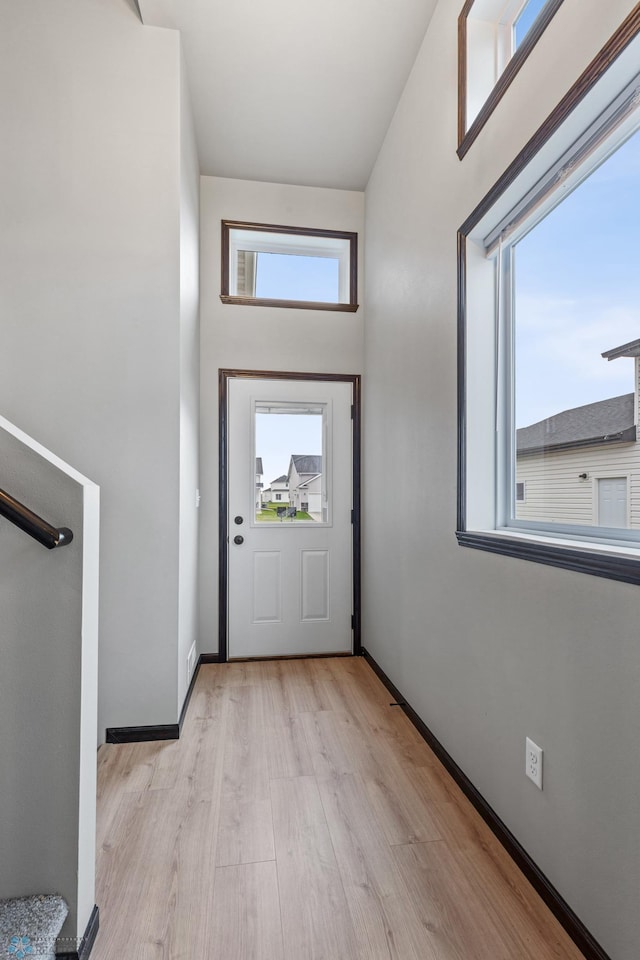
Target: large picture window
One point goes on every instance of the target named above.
(550, 336)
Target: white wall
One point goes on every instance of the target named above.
(261, 338)
(489, 649)
(189, 386)
(48, 685)
(95, 278)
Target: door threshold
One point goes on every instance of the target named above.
(293, 656)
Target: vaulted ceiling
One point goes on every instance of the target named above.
(294, 91)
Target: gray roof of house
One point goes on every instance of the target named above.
(307, 463)
(282, 479)
(305, 483)
(259, 469)
(606, 421)
(631, 349)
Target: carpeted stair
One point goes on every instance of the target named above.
(29, 927)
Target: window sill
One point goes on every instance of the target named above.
(612, 562)
(296, 304)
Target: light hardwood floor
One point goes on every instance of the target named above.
(301, 817)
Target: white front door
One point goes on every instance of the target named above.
(612, 502)
(290, 572)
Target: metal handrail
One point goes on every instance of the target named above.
(32, 524)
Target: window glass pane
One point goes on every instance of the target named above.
(576, 296)
(525, 20)
(302, 267)
(281, 276)
(493, 32)
(289, 451)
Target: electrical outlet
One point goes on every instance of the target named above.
(533, 767)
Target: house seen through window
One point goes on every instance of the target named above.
(576, 330)
(291, 441)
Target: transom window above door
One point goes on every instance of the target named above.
(277, 266)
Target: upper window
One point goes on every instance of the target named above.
(550, 337)
(268, 265)
(526, 15)
(495, 38)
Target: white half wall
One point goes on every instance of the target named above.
(489, 649)
(262, 338)
(48, 685)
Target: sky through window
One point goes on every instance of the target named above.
(278, 436)
(525, 20)
(293, 277)
(577, 293)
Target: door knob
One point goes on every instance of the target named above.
(238, 539)
(237, 520)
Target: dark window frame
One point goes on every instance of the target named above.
(225, 285)
(466, 137)
(581, 560)
(224, 375)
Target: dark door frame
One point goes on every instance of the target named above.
(224, 375)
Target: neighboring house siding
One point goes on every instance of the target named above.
(553, 490)
(294, 481)
(315, 503)
(311, 494)
(277, 492)
(259, 483)
(282, 489)
(298, 496)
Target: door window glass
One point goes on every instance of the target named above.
(290, 445)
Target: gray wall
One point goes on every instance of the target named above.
(96, 278)
(261, 338)
(48, 686)
(489, 650)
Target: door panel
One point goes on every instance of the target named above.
(267, 587)
(290, 580)
(315, 585)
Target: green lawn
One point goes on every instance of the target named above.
(269, 512)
